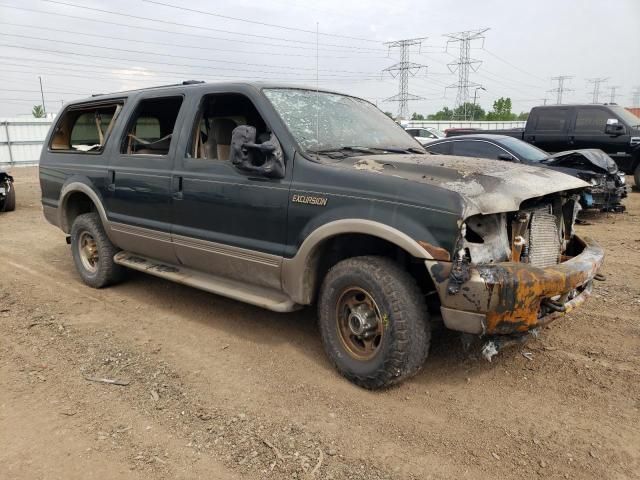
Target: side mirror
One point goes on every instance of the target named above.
(614, 128)
(508, 157)
(266, 158)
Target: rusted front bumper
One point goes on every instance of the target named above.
(506, 298)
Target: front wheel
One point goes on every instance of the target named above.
(373, 321)
(93, 252)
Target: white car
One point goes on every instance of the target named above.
(424, 135)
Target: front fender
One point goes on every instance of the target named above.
(298, 273)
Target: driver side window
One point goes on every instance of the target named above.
(218, 116)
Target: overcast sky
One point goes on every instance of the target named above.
(527, 43)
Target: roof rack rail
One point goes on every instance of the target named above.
(192, 82)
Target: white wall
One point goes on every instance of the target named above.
(21, 140)
(444, 124)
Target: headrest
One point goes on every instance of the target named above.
(222, 128)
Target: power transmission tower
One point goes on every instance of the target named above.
(635, 97)
(612, 94)
(561, 89)
(463, 66)
(402, 70)
(596, 82)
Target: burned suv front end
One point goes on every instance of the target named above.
(514, 272)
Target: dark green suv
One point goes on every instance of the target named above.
(284, 197)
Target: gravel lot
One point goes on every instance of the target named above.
(219, 389)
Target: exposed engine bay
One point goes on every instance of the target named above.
(537, 234)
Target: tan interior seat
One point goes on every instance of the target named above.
(222, 129)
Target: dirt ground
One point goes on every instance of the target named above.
(222, 390)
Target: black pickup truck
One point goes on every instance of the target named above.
(284, 197)
(557, 128)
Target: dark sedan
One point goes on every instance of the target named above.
(591, 165)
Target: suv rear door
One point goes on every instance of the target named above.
(548, 128)
(138, 199)
(227, 222)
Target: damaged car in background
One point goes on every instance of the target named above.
(7, 192)
(607, 182)
(284, 197)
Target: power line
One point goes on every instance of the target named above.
(254, 22)
(596, 82)
(179, 24)
(560, 89)
(285, 67)
(512, 65)
(289, 44)
(178, 45)
(402, 70)
(463, 66)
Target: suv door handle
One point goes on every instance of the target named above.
(571, 139)
(111, 187)
(177, 194)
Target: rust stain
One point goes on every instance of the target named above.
(512, 292)
(438, 253)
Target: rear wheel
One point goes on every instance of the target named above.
(10, 200)
(636, 177)
(373, 321)
(93, 252)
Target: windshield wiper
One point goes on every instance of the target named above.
(343, 150)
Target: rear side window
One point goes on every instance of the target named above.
(85, 129)
(443, 148)
(552, 120)
(592, 120)
(474, 148)
(150, 129)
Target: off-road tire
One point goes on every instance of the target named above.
(10, 200)
(107, 272)
(636, 178)
(407, 332)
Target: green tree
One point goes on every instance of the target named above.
(469, 111)
(523, 116)
(417, 116)
(38, 111)
(501, 110)
(445, 114)
(389, 114)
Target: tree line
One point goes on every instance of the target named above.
(470, 111)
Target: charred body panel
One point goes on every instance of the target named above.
(547, 272)
(608, 184)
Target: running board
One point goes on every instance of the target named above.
(259, 296)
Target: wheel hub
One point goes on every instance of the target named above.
(88, 249)
(359, 324)
(362, 321)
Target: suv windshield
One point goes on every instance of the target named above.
(322, 121)
(524, 151)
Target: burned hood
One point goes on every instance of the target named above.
(485, 186)
(585, 159)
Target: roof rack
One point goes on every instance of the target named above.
(185, 82)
